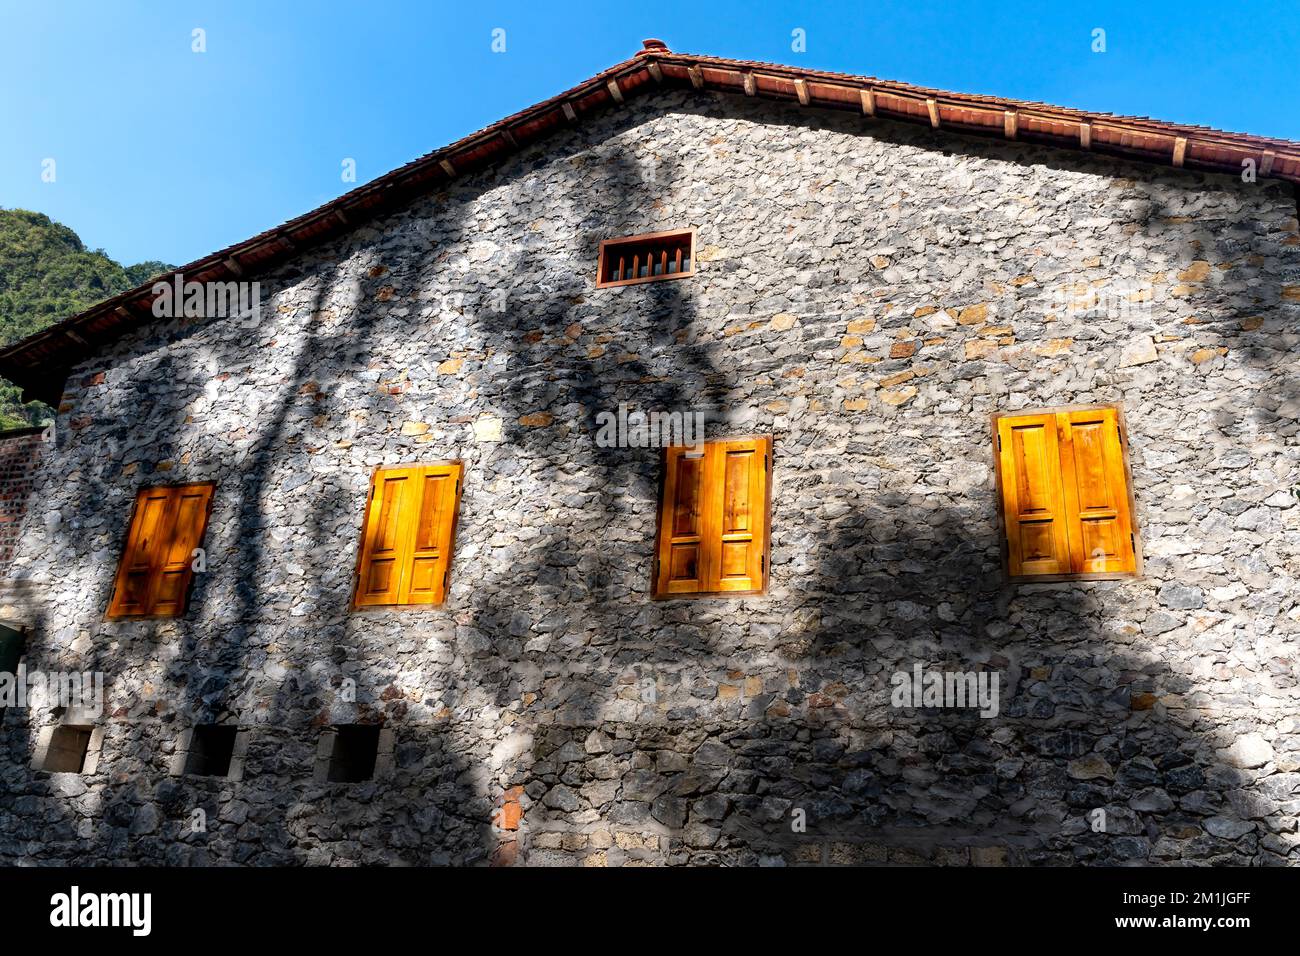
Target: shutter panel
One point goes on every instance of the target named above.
(683, 565)
(135, 571)
(187, 518)
(384, 544)
(1033, 505)
(154, 574)
(738, 505)
(407, 539)
(431, 532)
(713, 519)
(1096, 492)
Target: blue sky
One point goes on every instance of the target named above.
(164, 153)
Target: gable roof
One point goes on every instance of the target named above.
(40, 362)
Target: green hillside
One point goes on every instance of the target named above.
(47, 274)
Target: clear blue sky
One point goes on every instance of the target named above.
(163, 153)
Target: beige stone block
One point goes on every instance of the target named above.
(899, 397)
(487, 428)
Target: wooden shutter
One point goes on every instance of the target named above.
(1096, 492)
(739, 502)
(156, 569)
(713, 519)
(430, 553)
(682, 554)
(407, 537)
(1064, 489)
(135, 571)
(382, 548)
(1033, 503)
(188, 518)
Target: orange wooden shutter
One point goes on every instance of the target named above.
(406, 545)
(156, 569)
(430, 555)
(1033, 504)
(713, 519)
(188, 519)
(1065, 495)
(739, 504)
(682, 559)
(1096, 492)
(382, 548)
(135, 571)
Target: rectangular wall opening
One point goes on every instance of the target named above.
(355, 748)
(211, 749)
(657, 255)
(67, 750)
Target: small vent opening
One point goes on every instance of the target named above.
(657, 255)
(67, 750)
(355, 748)
(211, 749)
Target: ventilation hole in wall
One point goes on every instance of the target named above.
(67, 750)
(355, 749)
(656, 255)
(211, 748)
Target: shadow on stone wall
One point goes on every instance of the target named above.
(1089, 719)
(1083, 727)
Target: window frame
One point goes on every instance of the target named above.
(353, 606)
(1004, 545)
(118, 574)
(603, 283)
(763, 590)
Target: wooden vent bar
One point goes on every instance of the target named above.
(647, 258)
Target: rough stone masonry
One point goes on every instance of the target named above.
(868, 294)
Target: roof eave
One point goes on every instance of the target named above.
(40, 362)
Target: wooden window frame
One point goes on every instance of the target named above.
(603, 283)
(655, 593)
(120, 573)
(1004, 540)
(456, 463)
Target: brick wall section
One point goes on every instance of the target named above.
(20, 449)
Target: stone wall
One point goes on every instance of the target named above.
(869, 294)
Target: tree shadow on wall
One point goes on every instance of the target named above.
(1089, 718)
(824, 769)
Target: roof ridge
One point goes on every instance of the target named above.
(978, 97)
(40, 362)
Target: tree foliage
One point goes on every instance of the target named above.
(48, 274)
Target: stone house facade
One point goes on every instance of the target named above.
(868, 292)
